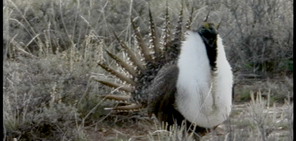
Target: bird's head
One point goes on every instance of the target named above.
(209, 34)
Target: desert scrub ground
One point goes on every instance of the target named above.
(51, 49)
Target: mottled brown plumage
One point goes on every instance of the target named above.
(153, 84)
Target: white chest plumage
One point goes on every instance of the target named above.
(204, 97)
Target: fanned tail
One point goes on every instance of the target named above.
(161, 50)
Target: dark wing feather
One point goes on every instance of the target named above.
(162, 95)
(162, 98)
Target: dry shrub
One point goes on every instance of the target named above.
(259, 34)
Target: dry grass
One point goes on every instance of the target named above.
(253, 120)
(50, 55)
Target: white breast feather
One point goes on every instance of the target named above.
(197, 87)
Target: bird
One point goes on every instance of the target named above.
(185, 78)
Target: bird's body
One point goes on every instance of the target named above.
(189, 90)
(194, 85)
(204, 95)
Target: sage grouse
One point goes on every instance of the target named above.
(183, 78)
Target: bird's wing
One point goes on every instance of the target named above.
(161, 92)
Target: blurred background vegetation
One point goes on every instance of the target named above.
(50, 50)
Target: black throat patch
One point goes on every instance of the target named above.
(209, 37)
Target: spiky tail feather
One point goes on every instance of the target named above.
(154, 41)
(164, 51)
(140, 43)
(131, 55)
(173, 49)
(123, 64)
(166, 34)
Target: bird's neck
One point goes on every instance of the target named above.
(201, 97)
